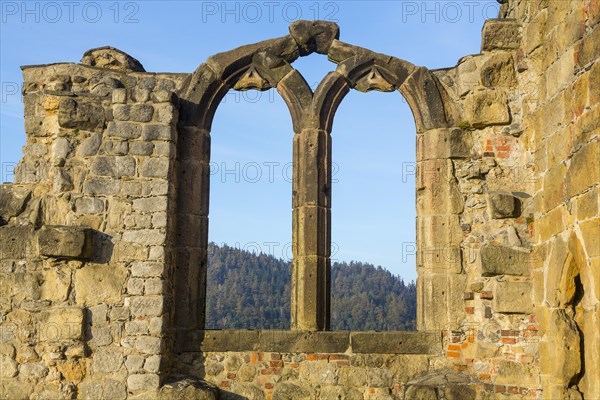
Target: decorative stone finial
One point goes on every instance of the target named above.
(314, 35)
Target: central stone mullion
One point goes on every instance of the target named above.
(311, 267)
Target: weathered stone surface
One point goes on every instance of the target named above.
(148, 345)
(155, 168)
(107, 359)
(183, 388)
(89, 205)
(80, 114)
(13, 200)
(421, 393)
(65, 242)
(404, 367)
(486, 107)
(114, 166)
(101, 186)
(143, 382)
(290, 391)
(304, 341)
(16, 242)
(314, 35)
(8, 367)
(98, 283)
(513, 297)
(582, 172)
(443, 143)
(111, 58)
(61, 323)
(56, 285)
(499, 71)
(561, 352)
(511, 371)
(124, 130)
(500, 34)
(77, 166)
(396, 342)
(148, 306)
(318, 374)
(235, 340)
(501, 260)
(134, 113)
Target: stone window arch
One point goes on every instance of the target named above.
(266, 65)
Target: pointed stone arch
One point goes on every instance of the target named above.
(568, 297)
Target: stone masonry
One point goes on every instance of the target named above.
(103, 234)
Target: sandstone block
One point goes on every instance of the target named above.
(503, 205)
(56, 285)
(118, 148)
(89, 147)
(97, 283)
(157, 132)
(148, 345)
(101, 186)
(143, 382)
(314, 35)
(500, 34)
(80, 114)
(443, 143)
(155, 168)
(395, 342)
(16, 243)
(134, 113)
(13, 200)
(107, 359)
(65, 242)
(111, 58)
(513, 297)
(123, 130)
(61, 323)
(147, 306)
(501, 260)
(583, 171)
(141, 148)
(486, 107)
(150, 204)
(290, 391)
(499, 71)
(146, 269)
(351, 376)
(8, 367)
(563, 356)
(150, 237)
(89, 205)
(119, 96)
(177, 388)
(114, 166)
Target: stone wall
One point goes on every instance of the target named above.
(562, 46)
(103, 233)
(85, 250)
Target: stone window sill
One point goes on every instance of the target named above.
(287, 341)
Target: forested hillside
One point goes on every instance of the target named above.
(247, 290)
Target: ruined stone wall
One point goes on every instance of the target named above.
(561, 44)
(85, 249)
(101, 234)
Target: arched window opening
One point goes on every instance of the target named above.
(249, 252)
(373, 214)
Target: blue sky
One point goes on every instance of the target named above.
(373, 134)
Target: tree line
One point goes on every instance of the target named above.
(246, 290)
